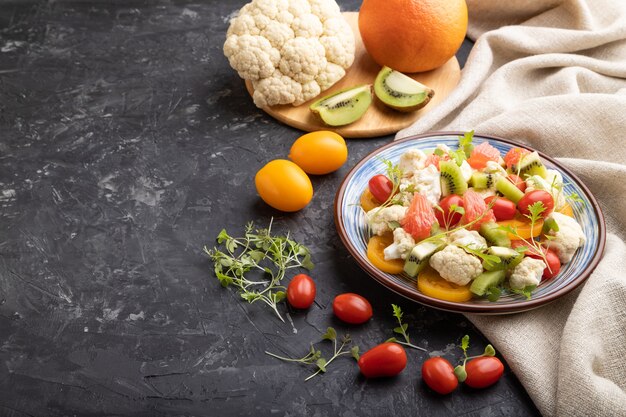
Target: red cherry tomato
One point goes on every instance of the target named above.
(554, 263)
(438, 374)
(352, 308)
(386, 359)
(301, 291)
(503, 208)
(534, 196)
(381, 187)
(483, 372)
(519, 183)
(447, 218)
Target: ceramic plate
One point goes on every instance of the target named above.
(350, 223)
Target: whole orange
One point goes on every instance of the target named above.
(412, 35)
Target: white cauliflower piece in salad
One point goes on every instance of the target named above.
(290, 50)
(426, 181)
(553, 183)
(378, 218)
(495, 168)
(526, 273)
(402, 244)
(471, 239)
(411, 161)
(455, 265)
(466, 171)
(568, 239)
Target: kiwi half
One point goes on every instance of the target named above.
(530, 165)
(401, 92)
(343, 107)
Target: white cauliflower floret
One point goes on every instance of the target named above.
(526, 273)
(495, 168)
(466, 170)
(455, 265)
(307, 41)
(553, 183)
(568, 239)
(378, 218)
(471, 239)
(425, 181)
(411, 161)
(402, 244)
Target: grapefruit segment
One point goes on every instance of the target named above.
(475, 208)
(482, 154)
(420, 218)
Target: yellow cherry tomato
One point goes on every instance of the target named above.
(430, 283)
(368, 201)
(522, 225)
(319, 152)
(284, 185)
(375, 253)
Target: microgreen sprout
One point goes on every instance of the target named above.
(490, 260)
(315, 356)
(401, 329)
(258, 251)
(459, 371)
(465, 143)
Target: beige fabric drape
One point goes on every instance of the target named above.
(552, 74)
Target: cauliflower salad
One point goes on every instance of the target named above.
(470, 222)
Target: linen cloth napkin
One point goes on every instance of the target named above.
(552, 74)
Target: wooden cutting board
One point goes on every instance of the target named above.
(379, 120)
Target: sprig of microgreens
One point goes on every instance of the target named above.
(459, 371)
(394, 173)
(526, 291)
(535, 213)
(465, 143)
(259, 252)
(576, 198)
(315, 356)
(401, 329)
(490, 260)
(447, 220)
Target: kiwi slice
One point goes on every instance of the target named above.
(401, 92)
(487, 280)
(452, 181)
(343, 107)
(494, 235)
(509, 190)
(509, 258)
(530, 165)
(483, 180)
(419, 256)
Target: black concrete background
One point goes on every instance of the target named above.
(126, 143)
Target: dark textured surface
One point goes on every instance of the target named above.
(127, 143)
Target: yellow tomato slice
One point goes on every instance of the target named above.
(567, 210)
(430, 283)
(523, 228)
(375, 254)
(368, 201)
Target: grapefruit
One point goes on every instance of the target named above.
(482, 154)
(412, 35)
(475, 207)
(514, 155)
(419, 218)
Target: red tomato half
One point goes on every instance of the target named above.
(446, 218)
(438, 374)
(534, 196)
(386, 359)
(352, 308)
(519, 183)
(301, 291)
(483, 372)
(503, 208)
(381, 187)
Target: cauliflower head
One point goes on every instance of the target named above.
(291, 50)
(471, 239)
(378, 218)
(526, 273)
(455, 265)
(568, 239)
(411, 161)
(426, 181)
(402, 244)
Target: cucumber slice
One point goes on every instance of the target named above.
(509, 190)
(509, 258)
(494, 236)
(486, 280)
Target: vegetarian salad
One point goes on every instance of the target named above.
(470, 222)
